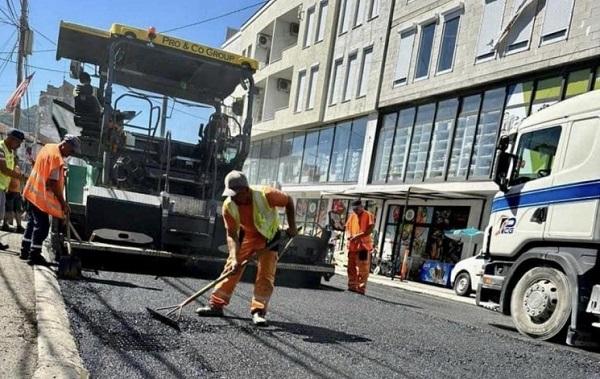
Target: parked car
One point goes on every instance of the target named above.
(466, 275)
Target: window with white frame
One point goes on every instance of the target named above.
(359, 12)
(250, 51)
(521, 25)
(365, 70)
(345, 16)
(448, 43)
(351, 72)
(309, 28)
(373, 9)
(336, 81)
(300, 91)
(312, 87)
(557, 19)
(491, 23)
(425, 48)
(405, 50)
(322, 21)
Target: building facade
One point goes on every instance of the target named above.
(426, 89)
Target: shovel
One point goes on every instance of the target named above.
(173, 312)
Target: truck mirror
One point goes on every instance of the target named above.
(503, 161)
(503, 143)
(335, 221)
(238, 107)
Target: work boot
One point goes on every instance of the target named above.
(20, 229)
(37, 259)
(208, 311)
(3, 246)
(259, 319)
(24, 255)
(5, 228)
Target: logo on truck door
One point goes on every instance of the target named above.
(507, 225)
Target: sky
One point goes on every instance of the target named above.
(45, 16)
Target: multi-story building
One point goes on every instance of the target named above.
(447, 77)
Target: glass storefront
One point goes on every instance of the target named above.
(455, 138)
(329, 154)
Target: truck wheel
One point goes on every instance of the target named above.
(462, 284)
(541, 303)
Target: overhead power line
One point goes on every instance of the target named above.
(36, 67)
(44, 36)
(215, 17)
(34, 51)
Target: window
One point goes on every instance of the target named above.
(324, 153)
(490, 28)
(440, 142)
(448, 44)
(322, 21)
(557, 19)
(415, 169)
(355, 150)
(291, 158)
(345, 15)
(244, 52)
(401, 144)
(312, 87)
(521, 25)
(464, 137)
(578, 82)
(310, 26)
(384, 147)
(517, 105)
(309, 162)
(597, 81)
(548, 92)
(424, 54)
(336, 81)
(486, 138)
(535, 155)
(264, 169)
(339, 152)
(300, 91)
(251, 164)
(351, 73)
(359, 12)
(374, 9)
(250, 51)
(365, 70)
(405, 50)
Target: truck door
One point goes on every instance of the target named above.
(519, 215)
(573, 210)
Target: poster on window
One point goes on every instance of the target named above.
(322, 213)
(301, 208)
(311, 210)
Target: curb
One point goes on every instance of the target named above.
(58, 356)
(406, 286)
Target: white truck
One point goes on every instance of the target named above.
(543, 237)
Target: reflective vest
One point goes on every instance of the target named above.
(9, 158)
(266, 219)
(36, 192)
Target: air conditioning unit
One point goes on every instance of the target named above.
(283, 85)
(294, 28)
(264, 40)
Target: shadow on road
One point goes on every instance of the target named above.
(118, 283)
(392, 302)
(505, 327)
(314, 334)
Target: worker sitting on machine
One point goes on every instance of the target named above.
(86, 102)
(253, 214)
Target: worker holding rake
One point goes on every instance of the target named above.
(252, 222)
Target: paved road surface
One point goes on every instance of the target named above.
(327, 333)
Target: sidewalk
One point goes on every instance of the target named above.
(426, 289)
(18, 325)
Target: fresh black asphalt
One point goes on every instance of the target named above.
(327, 332)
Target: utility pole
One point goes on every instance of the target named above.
(23, 34)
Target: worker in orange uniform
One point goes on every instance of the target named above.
(252, 222)
(359, 227)
(44, 193)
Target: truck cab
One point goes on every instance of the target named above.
(543, 237)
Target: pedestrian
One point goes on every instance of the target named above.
(8, 147)
(359, 227)
(44, 193)
(251, 219)
(14, 208)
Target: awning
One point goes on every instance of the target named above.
(433, 191)
(518, 13)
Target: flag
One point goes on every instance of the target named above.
(15, 99)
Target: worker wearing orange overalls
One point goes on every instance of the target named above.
(360, 245)
(251, 220)
(44, 193)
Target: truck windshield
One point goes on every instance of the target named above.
(535, 155)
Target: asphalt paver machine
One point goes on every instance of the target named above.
(136, 190)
